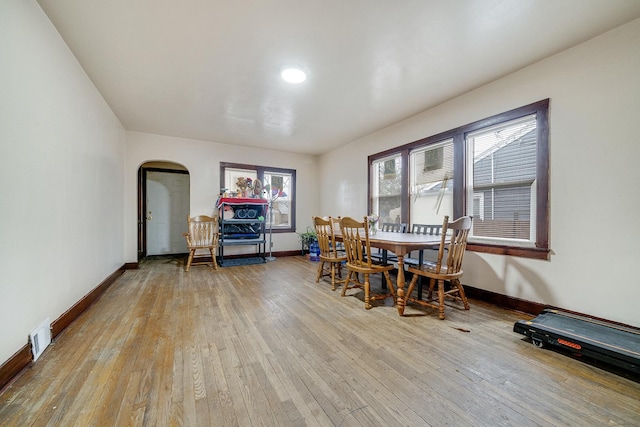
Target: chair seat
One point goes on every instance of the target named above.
(373, 269)
(198, 246)
(391, 257)
(379, 261)
(429, 268)
(411, 261)
(338, 258)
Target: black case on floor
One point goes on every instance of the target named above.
(607, 342)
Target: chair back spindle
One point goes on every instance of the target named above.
(394, 227)
(443, 238)
(430, 229)
(203, 231)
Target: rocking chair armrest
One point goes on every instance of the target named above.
(188, 237)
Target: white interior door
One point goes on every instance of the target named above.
(167, 210)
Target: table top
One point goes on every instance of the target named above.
(401, 243)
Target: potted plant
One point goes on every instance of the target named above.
(306, 239)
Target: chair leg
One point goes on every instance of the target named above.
(346, 283)
(320, 269)
(213, 258)
(441, 299)
(191, 253)
(367, 289)
(461, 293)
(392, 289)
(339, 269)
(333, 276)
(432, 284)
(412, 284)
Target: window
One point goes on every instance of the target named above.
(278, 186)
(387, 189)
(495, 169)
(502, 176)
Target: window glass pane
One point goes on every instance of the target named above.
(502, 173)
(278, 189)
(237, 179)
(386, 182)
(431, 183)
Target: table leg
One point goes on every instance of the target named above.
(401, 284)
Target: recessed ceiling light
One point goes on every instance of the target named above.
(293, 74)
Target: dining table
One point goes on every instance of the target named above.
(401, 244)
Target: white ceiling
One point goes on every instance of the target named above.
(209, 69)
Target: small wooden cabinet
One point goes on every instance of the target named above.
(242, 222)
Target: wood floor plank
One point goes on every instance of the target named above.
(264, 345)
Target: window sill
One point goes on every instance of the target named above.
(279, 230)
(534, 253)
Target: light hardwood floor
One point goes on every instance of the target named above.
(265, 345)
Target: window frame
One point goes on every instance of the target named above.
(541, 249)
(260, 172)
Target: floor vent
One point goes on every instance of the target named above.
(40, 338)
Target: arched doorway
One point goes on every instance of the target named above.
(163, 206)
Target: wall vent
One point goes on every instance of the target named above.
(40, 338)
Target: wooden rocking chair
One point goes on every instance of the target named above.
(203, 234)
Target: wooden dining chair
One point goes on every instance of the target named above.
(203, 234)
(411, 260)
(355, 237)
(330, 258)
(454, 242)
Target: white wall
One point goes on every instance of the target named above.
(61, 181)
(202, 160)
(594, 90)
